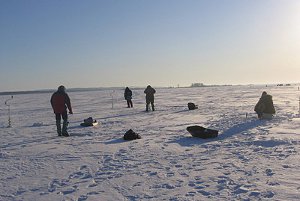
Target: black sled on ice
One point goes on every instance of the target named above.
(201, 132)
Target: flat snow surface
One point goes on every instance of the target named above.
(251, 159)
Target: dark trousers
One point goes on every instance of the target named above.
(129, 103)
(147, 105)
(63, 116)
(63, 130)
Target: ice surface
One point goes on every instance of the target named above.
(251, 159)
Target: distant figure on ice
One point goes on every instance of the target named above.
(60, 101)
(264, 107)
(128, 97)
(149, 91)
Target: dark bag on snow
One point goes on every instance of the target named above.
(192, 106)
(131, 135)
(89, 122)
(201, 132)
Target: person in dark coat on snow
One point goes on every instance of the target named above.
(128, 97)
(60, 102)
(264, 107)
(149, 91)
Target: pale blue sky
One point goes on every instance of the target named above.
(105, 43)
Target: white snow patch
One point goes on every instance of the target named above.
(249, 160)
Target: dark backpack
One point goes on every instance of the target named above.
(131, 135)
(192, 106)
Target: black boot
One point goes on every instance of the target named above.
(58, 126)
(64, 129)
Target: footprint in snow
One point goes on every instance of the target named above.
(83, 173)
(254, 194)
(93, 193)
(152, 174)
(170, 174)
(82, 198)
(184, 174)
(269, 172)
(240, 190)
(92, 184)
(273, 183)
(67, 191)
(190, 194)
(205, 193)
(55, 183)
(268, 194)
(199, 187)
(168, 186)
(197, 178)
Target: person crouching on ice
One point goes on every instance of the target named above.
(60, 101)
(264, 107)
(149, 91)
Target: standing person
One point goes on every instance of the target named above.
(60, 101)
(149, 91)
(128, 97)
(264, 107)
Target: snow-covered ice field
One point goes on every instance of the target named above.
(251, 159)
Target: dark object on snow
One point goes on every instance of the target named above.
(128, 97)
(60, 102)
(149, 91)
(89, 122)
(131, 135)
(264, 107)
(201, 132)
(192, 106)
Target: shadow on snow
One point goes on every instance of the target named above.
(237, 129)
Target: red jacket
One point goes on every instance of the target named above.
(60, 101)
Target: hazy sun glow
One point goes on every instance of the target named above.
(136, 43)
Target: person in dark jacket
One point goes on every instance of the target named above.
(149, 91)
(60, 102)
(264, 107)
(128, 97)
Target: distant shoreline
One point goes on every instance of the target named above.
(41, 91)
(53, 90)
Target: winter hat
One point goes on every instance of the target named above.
(62, 88)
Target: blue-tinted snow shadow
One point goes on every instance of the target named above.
(237, 129)
(181, 111)
(5, 127)
(115, 141)
(120, 115)
(267, 143)
(118, 141)
(188, 141)
(242, 127)
(78, 126)
(81, 134)
(36, 125)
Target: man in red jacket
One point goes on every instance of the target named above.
(60, 101)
